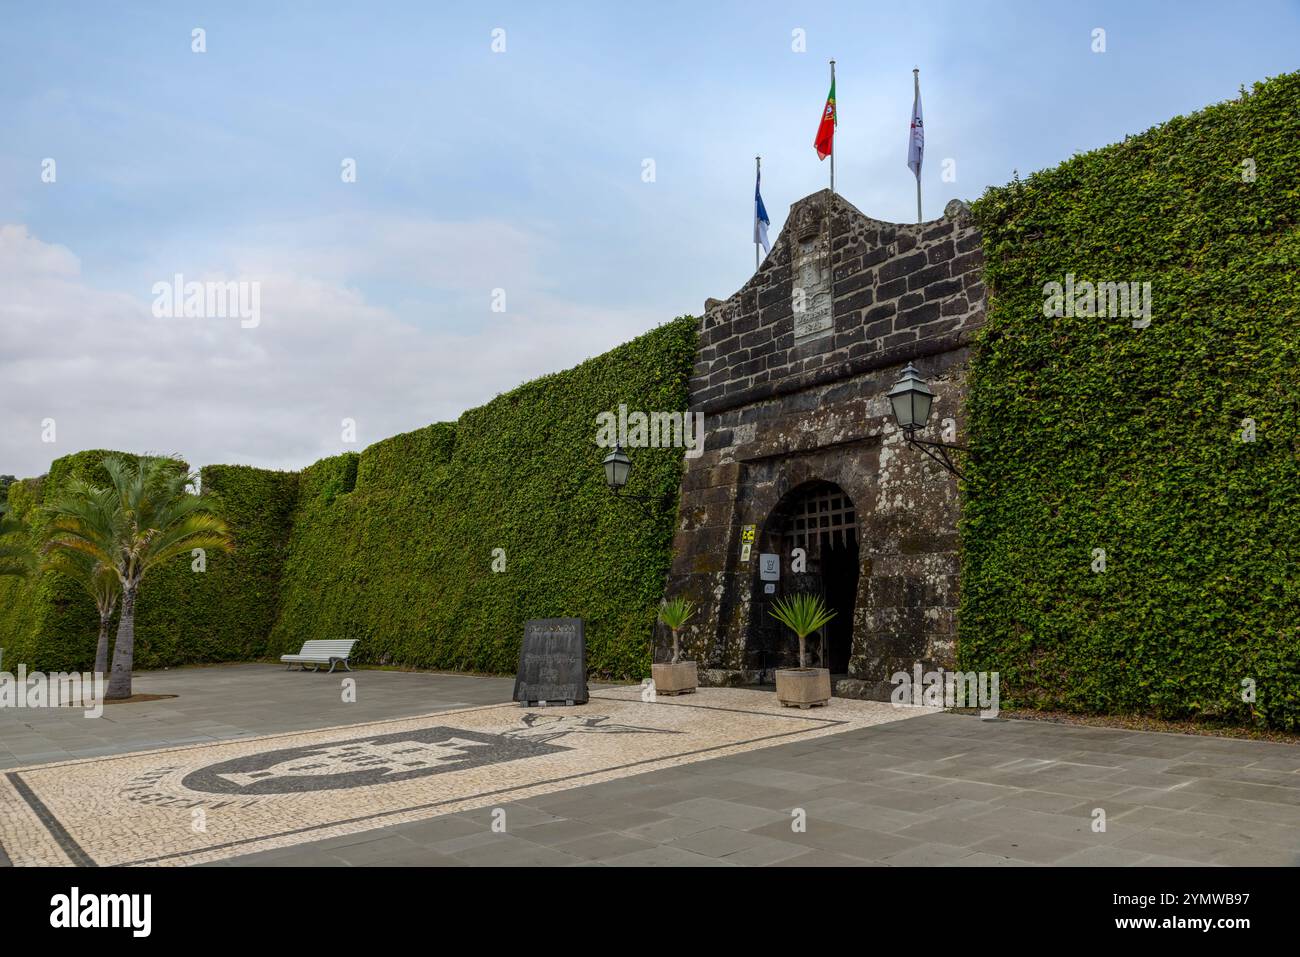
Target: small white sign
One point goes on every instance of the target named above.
(769, 567)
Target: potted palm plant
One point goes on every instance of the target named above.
(676, 676)
(803, 687)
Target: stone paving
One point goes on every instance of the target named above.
(232, 701)
(936, 789)
(204, 802)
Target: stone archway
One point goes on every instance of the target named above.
(820, 518)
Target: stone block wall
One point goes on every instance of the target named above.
(792, 378)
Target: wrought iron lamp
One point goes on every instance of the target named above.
(618, 468)
(911, 399)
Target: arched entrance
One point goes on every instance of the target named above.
(819, 518)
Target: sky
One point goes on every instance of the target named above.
(534, 184)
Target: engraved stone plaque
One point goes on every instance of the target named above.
(552, 662)
(811, 296)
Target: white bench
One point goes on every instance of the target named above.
(317, 653)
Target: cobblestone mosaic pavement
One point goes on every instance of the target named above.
(212, 801)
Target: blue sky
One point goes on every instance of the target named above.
(478, 170)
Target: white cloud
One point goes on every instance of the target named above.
(459, 255)
(112, 375)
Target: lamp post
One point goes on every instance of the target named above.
(618, 468)
(911, 399)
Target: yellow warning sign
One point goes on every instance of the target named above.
(746, 541)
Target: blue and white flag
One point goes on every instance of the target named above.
(761, 222)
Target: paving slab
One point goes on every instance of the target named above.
(665, 855)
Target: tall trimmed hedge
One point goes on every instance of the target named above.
(395, 546)
(47, 621)
(1091, 434)
(20, 598)
(224, 613)
(403, 561)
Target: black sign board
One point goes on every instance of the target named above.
(552, 662)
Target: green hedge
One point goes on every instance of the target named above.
(222, 614)
(20, 598)
(403, 561)
(46, 621)
(394, 546)
(1088, 433)
(226, 612)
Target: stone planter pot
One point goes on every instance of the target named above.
(803, 687)
(681, 678)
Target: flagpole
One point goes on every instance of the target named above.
(758, 169)
(837, 123)
(916, 92)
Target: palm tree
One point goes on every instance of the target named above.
(97, 511)
(803, 614)
(101, 584)
(153, 520)
(675, 614)
(15, 555)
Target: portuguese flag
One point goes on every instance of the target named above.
(826, 132)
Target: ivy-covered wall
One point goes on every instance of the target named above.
(404, 560)
(396, 546)
(1092, 434)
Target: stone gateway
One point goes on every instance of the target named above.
(791, 379)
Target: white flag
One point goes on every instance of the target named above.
(916, 145)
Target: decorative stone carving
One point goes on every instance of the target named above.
(807, 218)
(810, 295)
